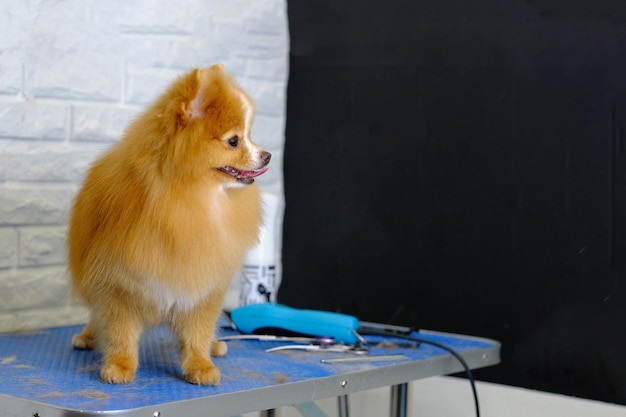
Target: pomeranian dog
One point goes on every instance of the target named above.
(162, 222)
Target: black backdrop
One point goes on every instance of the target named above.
(459, 165)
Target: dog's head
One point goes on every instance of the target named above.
(213, 125)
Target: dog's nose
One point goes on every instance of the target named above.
(265, 157)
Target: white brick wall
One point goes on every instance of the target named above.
(72, 74)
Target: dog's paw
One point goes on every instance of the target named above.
(83, 341)
(117, 372)
(219, 348)
(202, 372)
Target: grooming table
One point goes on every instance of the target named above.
(42, 376)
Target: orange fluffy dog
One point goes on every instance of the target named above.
(162, 222)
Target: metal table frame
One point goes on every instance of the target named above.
(41, 376)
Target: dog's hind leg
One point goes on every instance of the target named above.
(85, 339)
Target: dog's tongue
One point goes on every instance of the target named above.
(253, 174)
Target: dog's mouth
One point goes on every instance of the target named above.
(244, 177)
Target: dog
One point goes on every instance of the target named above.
(162, 222)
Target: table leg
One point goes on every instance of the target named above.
(342, 403)
(399, 400)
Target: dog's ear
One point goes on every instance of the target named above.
(196, 107)
(217, 67)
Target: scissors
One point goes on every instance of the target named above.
(316, 341)
(309, 344)
(357, 349)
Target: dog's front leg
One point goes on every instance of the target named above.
(119, 329)
(195, 330)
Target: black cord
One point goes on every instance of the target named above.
(454, 353)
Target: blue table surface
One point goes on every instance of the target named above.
(41, 366)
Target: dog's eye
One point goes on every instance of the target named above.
(234, 141)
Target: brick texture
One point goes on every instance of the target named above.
(72, 76)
